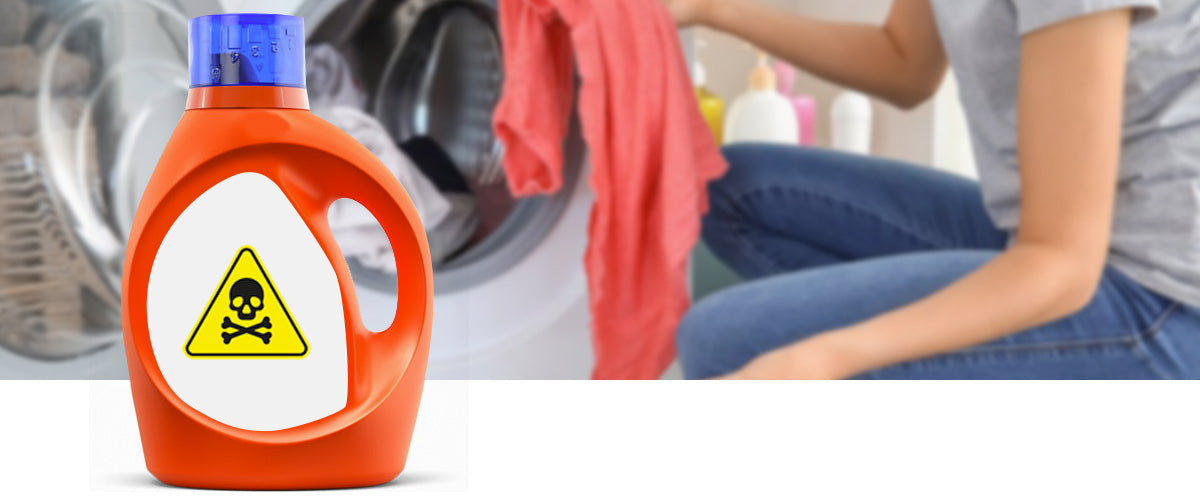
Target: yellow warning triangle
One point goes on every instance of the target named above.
(246, 317)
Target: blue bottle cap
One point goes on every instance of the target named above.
(247, 49)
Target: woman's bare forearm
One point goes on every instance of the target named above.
(1069, 117)
(1069, 139)
(901, 61)
(1026, 286)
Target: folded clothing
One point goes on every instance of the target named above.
(20, 69)
(18, 115)
(15, 17)
(351, 219)
(368, 245)
(650, 150)
(456, 230)
(492, 200)
(435, 163)
(461, 226)
(329, 79)
(448, 211)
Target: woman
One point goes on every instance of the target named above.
(1077, 255)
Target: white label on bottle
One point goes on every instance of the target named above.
(244, 311)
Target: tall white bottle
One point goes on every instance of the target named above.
(762, 114)
(851, 122)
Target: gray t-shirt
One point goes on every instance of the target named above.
(1156, 227)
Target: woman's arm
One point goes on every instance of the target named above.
(901, 62)
(1068, 136)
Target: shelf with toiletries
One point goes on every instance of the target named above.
(933, 133)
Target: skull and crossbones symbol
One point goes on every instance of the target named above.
(246, 299)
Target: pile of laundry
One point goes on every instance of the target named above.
(444, 198)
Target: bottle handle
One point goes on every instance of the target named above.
(386, 354)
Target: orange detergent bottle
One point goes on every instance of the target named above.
(248, 360)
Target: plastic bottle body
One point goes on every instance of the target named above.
(806, 118)
(761, 116)
(270, 381)
(851, 120)
(312, 164)
(805, 105)
(712, 108)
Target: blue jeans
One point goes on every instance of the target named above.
(830, 239)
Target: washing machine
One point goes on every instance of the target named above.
(112, 84)
(513, 303)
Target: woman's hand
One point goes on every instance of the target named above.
(688, 12)
(812, 359)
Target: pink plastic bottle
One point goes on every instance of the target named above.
(805, 105)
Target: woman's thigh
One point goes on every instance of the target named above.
(1124, 332)
(783, 208)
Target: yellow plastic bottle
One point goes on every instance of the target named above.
(711, 105)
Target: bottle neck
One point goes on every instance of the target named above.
(247, 96)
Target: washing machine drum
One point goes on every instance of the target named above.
(433, 70)
(442, 82)
(101, 84)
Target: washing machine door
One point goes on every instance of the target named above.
(434, 69)
(107, 83)
(442, 81)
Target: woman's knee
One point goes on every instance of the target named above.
(704, 338)
(758, 167)
(749, 171)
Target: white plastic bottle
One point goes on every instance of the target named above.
(762, 114)
(851, 121)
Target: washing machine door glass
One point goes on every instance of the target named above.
(108, 83)
(434, 70)
(443, 82)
